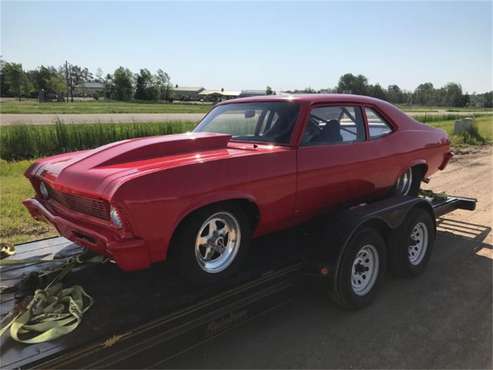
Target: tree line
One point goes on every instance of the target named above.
(125, 85)
(450, 95)
(61, 83)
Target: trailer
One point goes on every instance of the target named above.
(143, 319)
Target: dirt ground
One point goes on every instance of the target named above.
(469, 174)
(438, 320)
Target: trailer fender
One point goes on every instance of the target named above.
(385, 216)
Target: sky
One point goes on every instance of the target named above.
(249, 45)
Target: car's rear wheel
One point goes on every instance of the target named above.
(408, 183)
(212, 243)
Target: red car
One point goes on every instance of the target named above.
(252, 166)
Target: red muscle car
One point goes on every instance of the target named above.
(252, 166)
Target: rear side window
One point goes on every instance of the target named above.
(334, 125)
(377, 126)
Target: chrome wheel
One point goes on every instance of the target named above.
(365, 269)
(217, 242)
(418, 244)
(405, 182)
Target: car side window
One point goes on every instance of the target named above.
(334, 125)
(377, 126)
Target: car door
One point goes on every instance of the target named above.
(335, 166)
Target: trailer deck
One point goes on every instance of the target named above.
(134, 323)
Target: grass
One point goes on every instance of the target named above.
(16, 224)
(430, 109)
(99, 106)
(482, 131)
(18, 142)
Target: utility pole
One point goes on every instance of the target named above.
(66, 78)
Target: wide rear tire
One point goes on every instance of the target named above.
(408, 183)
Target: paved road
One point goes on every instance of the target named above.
(442, 319)
(46, 119)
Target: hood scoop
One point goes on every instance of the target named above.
(155, 147)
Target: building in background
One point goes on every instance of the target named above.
(247, 93)
(187, 93)
(218, 95)
(86, 89)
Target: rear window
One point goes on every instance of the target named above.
(377, 126)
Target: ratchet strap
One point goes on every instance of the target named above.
(53, 311)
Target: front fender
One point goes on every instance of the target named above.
(208, 199)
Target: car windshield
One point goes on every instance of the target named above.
(271, 122)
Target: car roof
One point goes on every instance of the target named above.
(308, 98)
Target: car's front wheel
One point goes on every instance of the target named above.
(212, 243)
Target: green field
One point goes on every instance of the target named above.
(436, 109)
(19, 142)
(16, 224)
(483, 125)
(99, 106)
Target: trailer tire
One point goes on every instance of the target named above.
(361, 270)
(192, 260)
(411, 244)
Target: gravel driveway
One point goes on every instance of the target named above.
(441, 319)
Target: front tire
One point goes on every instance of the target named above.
(212, 243)
(361, 270)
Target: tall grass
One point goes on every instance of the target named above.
(427, 118)
(19, 142)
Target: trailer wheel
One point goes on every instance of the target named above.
(411, 244)
(361, 270)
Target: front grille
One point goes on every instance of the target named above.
(92, 207)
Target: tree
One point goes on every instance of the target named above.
(451, 95)
(122, 84)
(74, 76)
(351, 84)
(395, 94)
(56, 84)
(163, 84)
(16, 80)
(269, 91)
(40, 77)
(377, 92)
(424, 94)
(109, 86)
(99, 75)
(146, 86)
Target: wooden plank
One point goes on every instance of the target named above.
(125, 301)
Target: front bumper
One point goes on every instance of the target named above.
(129, 254)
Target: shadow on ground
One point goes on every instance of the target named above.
(441, 319)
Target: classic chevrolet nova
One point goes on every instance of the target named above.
(251, 166)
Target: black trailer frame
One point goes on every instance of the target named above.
(138, 326)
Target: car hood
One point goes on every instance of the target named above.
(90, 172)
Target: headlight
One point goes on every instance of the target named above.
(115, 218)
(44, 190)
